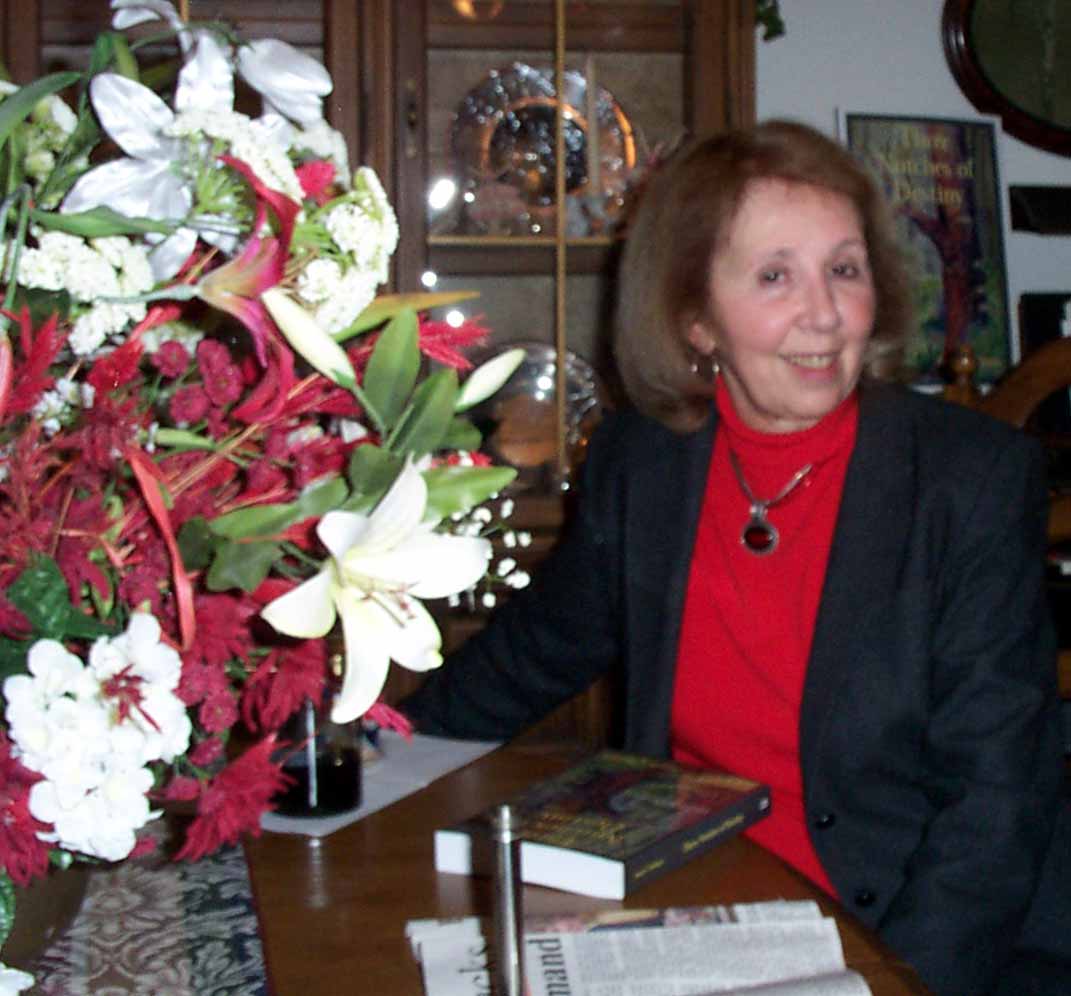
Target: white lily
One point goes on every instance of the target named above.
(381, 565)
(144, 184)
(487, 378)
(291, 83)
(303, 332)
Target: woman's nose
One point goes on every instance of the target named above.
(820, 304)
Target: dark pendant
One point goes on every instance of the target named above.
(759, 536)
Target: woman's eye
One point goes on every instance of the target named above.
(847, 269)
(771, 276)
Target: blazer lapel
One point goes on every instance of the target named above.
(663, 523)
(865, 559)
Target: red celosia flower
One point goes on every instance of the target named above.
(206, 752)
(117, 368)
(110, 426)
(171, 359)
(443, 342)
(284, 679)
(234, 802)
(22, 855)
(182, 788)
(218, 712)
(389, 719)
(190, 404)
(323, 457)
(32, 377)
(222, 630)
(219, 373)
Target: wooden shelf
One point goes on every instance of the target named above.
(520, 255)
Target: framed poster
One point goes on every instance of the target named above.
(942, 178)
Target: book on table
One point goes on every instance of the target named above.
(610, 823)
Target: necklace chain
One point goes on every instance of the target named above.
(759, 535)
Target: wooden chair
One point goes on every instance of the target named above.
(1016, 399)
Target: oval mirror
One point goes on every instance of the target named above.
(1014, 59)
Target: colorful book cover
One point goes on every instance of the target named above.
(611, 822)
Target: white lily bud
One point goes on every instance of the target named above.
(488, 378)
(305, 335)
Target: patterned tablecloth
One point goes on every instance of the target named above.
(148, 927)
(157, 929)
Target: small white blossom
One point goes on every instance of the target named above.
(519, 579)
(505, 565)
(488, 600)
(319, 281)
(509, 539)
(91, 729)
(13, 981)
(350, 297)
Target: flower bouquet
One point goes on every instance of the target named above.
(217, 443)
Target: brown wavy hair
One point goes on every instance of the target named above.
(683, 218)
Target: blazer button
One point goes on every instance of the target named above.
(864, 897)
(823, 821)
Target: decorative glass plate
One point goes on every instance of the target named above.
(504, 145)
(520, 421)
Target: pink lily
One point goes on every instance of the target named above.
(236, 286)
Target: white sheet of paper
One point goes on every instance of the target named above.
(404, 767)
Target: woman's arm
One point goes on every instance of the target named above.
(549, 641)
(990, 751)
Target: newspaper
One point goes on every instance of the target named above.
(761, 949)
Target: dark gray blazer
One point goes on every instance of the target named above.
(929, 728)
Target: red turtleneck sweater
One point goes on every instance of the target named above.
(748, 620)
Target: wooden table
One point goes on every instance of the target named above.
(333, 912)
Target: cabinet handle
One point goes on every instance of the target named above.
(412, 120)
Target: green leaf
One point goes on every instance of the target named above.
(424, 424)
(371, 472)
(196, 543)
(457, 489)
(99, 222)
(393, 367)
(17, 107)
(270, 520)
(13, 657)
(388, 305)
(7, 906)
(461, 435)
(40, 594)
(241, 565)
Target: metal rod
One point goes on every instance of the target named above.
(509, 914)
(560, 334)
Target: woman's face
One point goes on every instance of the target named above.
(790, 305)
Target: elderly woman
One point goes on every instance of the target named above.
(806, 575)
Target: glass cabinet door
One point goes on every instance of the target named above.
(486, 202)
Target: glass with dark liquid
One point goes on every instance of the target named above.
(324, 760)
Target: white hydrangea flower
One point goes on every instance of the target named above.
(137, 661)
(13, 981)
(319, 281)
(255, 143)
(56, 407)
(92, 328)
(91, 729)
(351, 295)
(182, 332)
